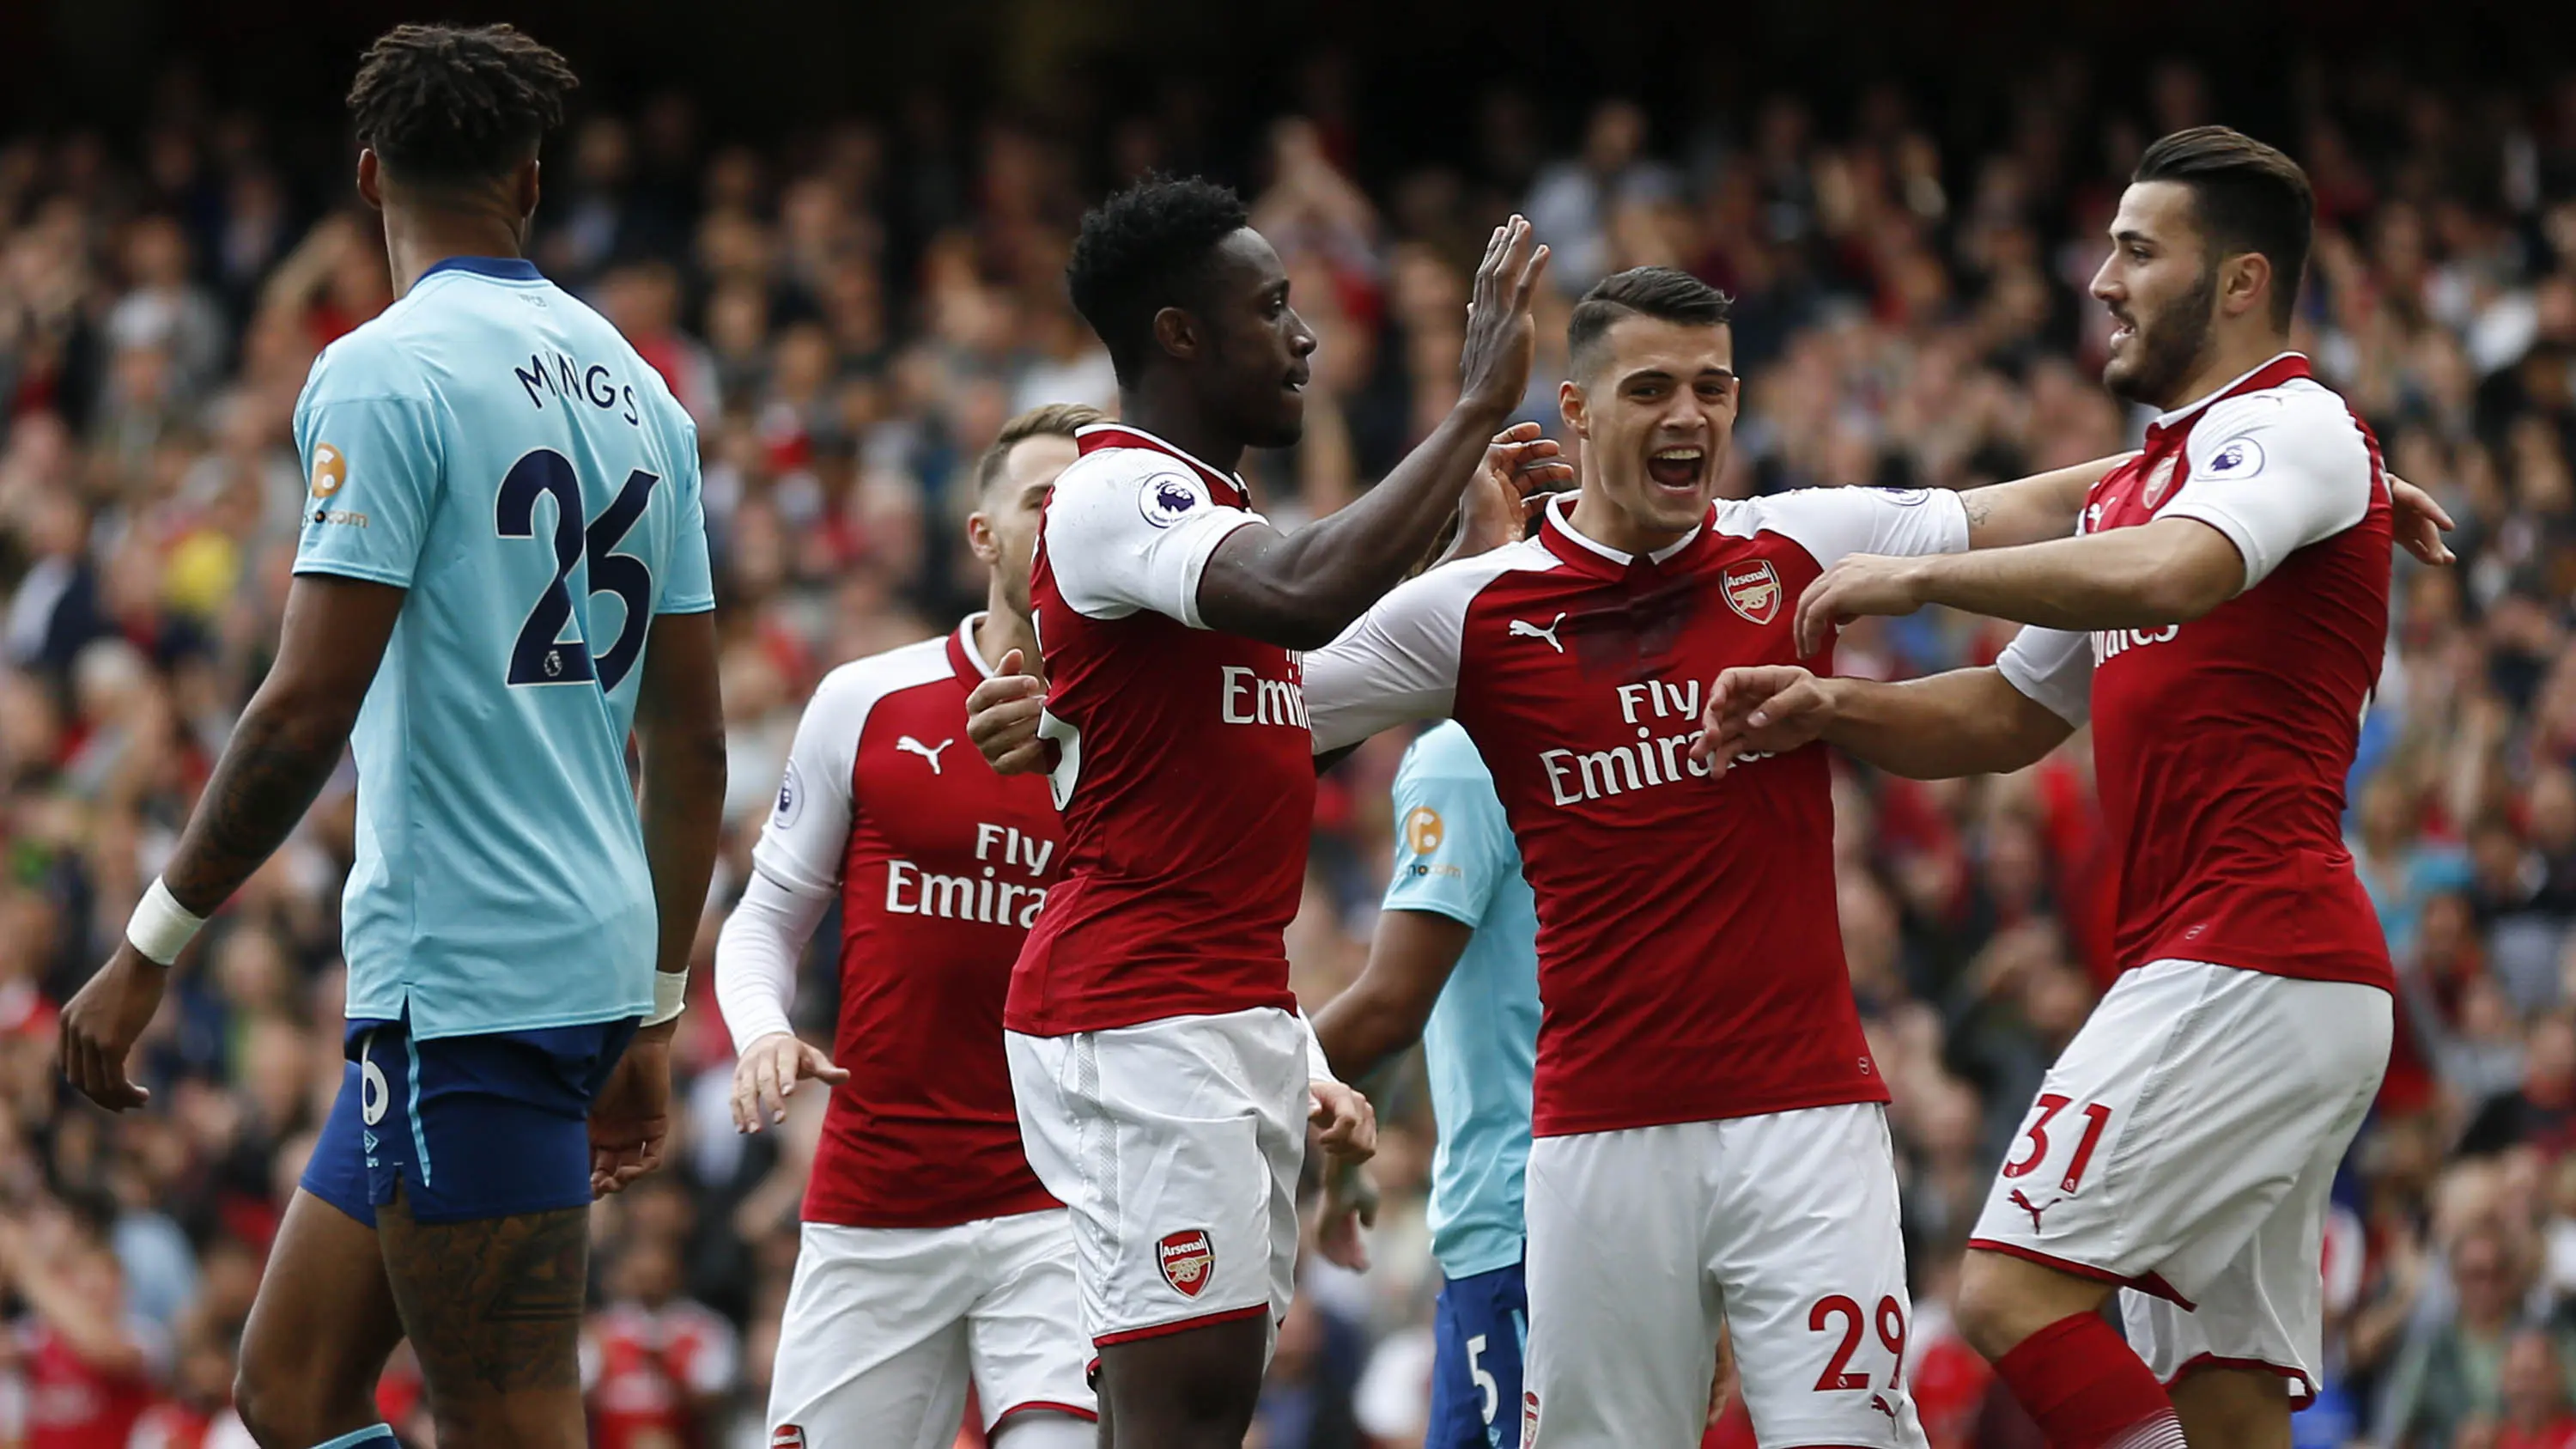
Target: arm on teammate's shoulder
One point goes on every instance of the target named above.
(679, 720)
(2033, 509)
(1963, 722)
(290, 737)
(1383, 1012)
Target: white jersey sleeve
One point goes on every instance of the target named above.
(808, 833)
(1399, 661)
(1130, 529)
(2054, 667)
(1831, 523)
(2276, 471)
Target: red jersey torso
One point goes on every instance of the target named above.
(1184, 769)
(2221, 746)
(942, 867)
(1689, 942)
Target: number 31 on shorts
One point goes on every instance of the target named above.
(2036, 1144)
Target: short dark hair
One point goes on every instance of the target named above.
(2250, 198)
(1051, 420)
(1142, 250)
(1664, 293)
(451, 103)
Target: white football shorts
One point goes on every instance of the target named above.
(1783, 1226)
(2184, 1146)
(886, 1327)
(1176, 1144)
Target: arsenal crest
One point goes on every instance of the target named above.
(787, 1436)
(1753, 590)
(2158, 479)
(1188, 1260)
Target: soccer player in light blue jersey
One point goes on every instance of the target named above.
(1455, 962)
(503, 573)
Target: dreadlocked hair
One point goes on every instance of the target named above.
(449, 103)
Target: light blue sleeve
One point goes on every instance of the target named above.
(1453, 848)
(372, 466)
(688, 577)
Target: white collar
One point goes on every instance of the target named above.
(966, 641)
(2167, 420)
(1560, 510)
(1168, 446)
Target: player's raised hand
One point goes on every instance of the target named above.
(1502, 338)
(767, 1075)
(1862, 583)
(101, 1023)
(1350, 1204)
(1521, 468)
(1760, 709)
(1002, 718)
(1344, 1122)
(2419, 521)
(631, 1116)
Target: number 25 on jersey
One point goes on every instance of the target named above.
(542, 655)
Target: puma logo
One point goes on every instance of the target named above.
(2034, 1209)
(1524, 629)
(1880, 1403)
(911, 746)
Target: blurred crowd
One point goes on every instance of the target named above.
(851, 313)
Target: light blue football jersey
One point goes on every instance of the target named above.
(1455, 857)
(495, 447)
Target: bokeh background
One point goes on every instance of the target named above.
(839, 232)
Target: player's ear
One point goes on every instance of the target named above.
(2241, 280)
(1570, 405)
(524, 187)
(979, 537)
(1176, 332)
(371, 186)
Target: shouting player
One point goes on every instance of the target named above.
(1162, 1073)
(931, 1256)
(1455, 962)
(503, 570)
(2220, 622)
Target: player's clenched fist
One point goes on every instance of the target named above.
(1002, 718)
(767, 1074)
(101, 1022)
(1344, 1122)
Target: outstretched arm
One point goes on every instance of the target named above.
(1301, 589)
(2033, 509)
(1964, 722)
(286, 745)
(2170, 571)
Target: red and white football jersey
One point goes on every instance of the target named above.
(1183, 764)
(942, 866)
(72, 1405)
(644, 1369)
(2220, 746)
(1690, 951)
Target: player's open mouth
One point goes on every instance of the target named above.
(2122, 329)
(1677, 468)
(1297, 378)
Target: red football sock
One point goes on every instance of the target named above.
(2087, 1389)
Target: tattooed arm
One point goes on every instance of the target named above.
(287, 744)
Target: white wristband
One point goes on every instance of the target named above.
(670, 994)
(161, 927)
